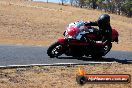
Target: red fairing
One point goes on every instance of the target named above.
(114, 35)
(61, 40)
(72, 42)
(72, 31)
(91, 36)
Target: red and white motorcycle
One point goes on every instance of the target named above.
(71, 46)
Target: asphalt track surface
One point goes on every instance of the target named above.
(25, 55)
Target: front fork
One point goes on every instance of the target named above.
(63, 42)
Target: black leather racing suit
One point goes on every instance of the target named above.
(104, 30)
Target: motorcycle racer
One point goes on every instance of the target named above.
(105, 29)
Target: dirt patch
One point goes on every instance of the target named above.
(59, 76)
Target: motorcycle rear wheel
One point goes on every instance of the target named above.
(104, 51)
(107, 48)
(55, 50)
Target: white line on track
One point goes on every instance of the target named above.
(55, 64)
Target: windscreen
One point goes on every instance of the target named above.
(78, 24)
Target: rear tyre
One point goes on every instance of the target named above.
(55, 50)
(97, 57)
(107, 48)
(103, 51)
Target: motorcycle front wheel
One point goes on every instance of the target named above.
(55, 50)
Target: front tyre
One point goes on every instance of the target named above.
(55, 50)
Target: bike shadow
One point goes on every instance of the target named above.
(103, 59)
